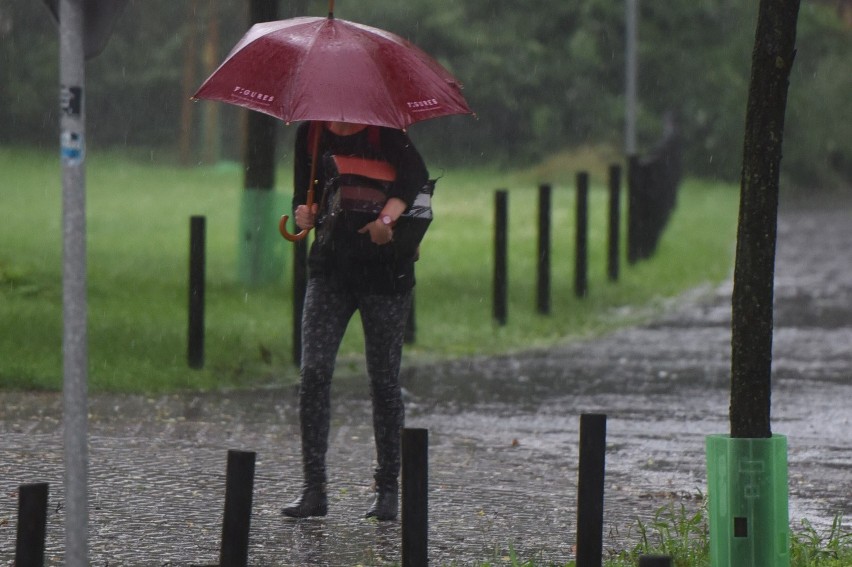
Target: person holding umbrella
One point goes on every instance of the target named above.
(360, 87)
(341, 282)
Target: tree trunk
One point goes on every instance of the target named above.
(261, 129)
(188, 82)
(754, 271)
(210, 55)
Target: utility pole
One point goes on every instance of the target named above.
(75, 356)
(84, 28)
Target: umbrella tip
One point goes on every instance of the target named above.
(330, 9)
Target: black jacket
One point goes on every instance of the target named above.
(390, 274)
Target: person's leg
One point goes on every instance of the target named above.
(326, 315)
(384, 319)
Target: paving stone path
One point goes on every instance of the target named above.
(503, 437)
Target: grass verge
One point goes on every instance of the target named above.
(138, 238)
(683, 535)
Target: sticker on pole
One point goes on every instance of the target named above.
(71, 100)
(72, 147)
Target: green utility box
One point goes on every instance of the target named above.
(748, 501)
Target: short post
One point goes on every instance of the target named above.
(501, 229)
(655, 561)
(544, 214)
(415, 497)
(581, 259)
(32, 525)
(635, 227)
(239, 485)
(197, 260)
(411, 323)
(300, 286)
(614, 221)
(590, 490)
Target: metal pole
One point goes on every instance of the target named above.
(631, 72)
(415, 497)
(74, 301)
(32, 525)
(236, 525)
(197, 269)
(590, 490)
(544, 214)
(501, 228)
(614, 221)
(581, 260)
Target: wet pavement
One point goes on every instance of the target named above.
(503, 436)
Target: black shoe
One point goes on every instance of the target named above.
(384, 507)
(312, 502)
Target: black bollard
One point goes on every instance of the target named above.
(411, 324)
(635, 225)
(501, 229)
(590, 490)
(197, 261)
(614, 221)
(300, 285)
(32, 525)
(415, 497)
(239, 485)
(655, 561)
(581, 284)
(544, 214)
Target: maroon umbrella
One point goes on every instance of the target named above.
(327, 69)
(335, 70)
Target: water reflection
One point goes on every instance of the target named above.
(337, 541)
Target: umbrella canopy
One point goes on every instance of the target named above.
(330, 69)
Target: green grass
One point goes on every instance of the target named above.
(683, 535)
(138, 233)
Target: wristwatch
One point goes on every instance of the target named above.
(386, 220)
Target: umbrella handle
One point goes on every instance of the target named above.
(282, 228)
(314, 136)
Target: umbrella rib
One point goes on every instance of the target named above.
(302, 61)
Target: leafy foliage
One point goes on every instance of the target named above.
(541, 77)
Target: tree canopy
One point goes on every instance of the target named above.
(541, 78)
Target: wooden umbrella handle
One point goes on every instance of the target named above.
(282, 224)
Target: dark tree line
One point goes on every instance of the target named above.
(541, 77)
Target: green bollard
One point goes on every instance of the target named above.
(747, 501)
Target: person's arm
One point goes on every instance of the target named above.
(411, 172)
(381, 229)
(411, 175)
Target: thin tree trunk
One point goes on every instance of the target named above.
(754, 272)
(212, 145)
(260, 129)
(188, 85)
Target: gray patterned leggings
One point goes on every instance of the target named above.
(327, 313)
